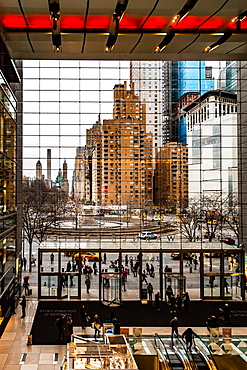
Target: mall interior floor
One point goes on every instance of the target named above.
(13, 343)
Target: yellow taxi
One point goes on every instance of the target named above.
(90, 256)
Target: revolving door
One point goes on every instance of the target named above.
(111, 288)
(174, 284)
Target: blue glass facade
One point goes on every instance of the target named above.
(188, 76)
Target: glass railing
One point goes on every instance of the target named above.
(162, 350)
(206, 353)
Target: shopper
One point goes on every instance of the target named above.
(60, 322)
(88, 283)
(150, 292)
(96, 325)
(144, 277)
(173, 303)
(84, 316)
(213, 326)
(169, 292)
(174, 326)
(68, 328)
(186, 300)
(23, 306)
(188, 334)
(179, 303)
(68, 269)
(157, 301)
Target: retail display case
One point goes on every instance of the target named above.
(86, 354)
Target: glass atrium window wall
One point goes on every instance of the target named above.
(131, 168)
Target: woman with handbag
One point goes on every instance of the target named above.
(96, 325)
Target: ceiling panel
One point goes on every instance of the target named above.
(141, 29)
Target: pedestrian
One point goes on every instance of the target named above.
(151, 270)
(173, 303)
(68, 269)
(24, 263)
(213, 326)
(104, 258)
(144, 277)
(84, 317)
(95, 268)
(96, 325)
(169, 292)
(26, 286)
(131, 264)
(107, 279)
(195, 262)
(226, 313)
(52, 258)
(186, 300)
(123, 283)
(150, 290)
(126, 260)
(33, 260)
(68, 330)
(226, 285)
(188, 335)
(179, 303)
(148, 268)
(23, 306)
(135, 269)
(174, 326)
(116, 324)
(60, 322)
(157, 301)
(88, 283)
(13, 305)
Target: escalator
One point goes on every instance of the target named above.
(172, 354)
(176, 357)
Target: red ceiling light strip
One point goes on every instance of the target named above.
(42, 23)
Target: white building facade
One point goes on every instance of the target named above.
(212, 145)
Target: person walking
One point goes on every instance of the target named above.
(23, 306)
(150, 292)
(152, 270)
(68, 330)
(188, 335)
(173, 303)
(144, 277)
(88, 283)
(186, 300)
(96, 325)
(26, 285)
(52, 258)
(84, 316)
(179, 303)
(126, 260)
(95, 268)
(33, 261)
(60, 322)
(174, 326)
(157, 301)
(226, 313)
(147, 268)
(213, 326)
(68, 269)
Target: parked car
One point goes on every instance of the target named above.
(229, 241)
(147, 235)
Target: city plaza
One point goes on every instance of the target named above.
(45, 46)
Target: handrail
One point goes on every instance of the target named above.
(158, 338)
(187, 357)
(208, 357)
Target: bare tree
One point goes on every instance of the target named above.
(231, 214)
(189, 219)
(42, 208)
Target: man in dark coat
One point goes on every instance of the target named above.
(60, 322)
(174, 326)
(83, 317)
(188, 335)
(23, 306)
(150, 291)
(173, 303)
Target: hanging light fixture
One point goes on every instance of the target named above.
(114, 26)
(54, 9)
(221, 41)
(188, 6)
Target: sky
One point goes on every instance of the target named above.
(61, 100)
